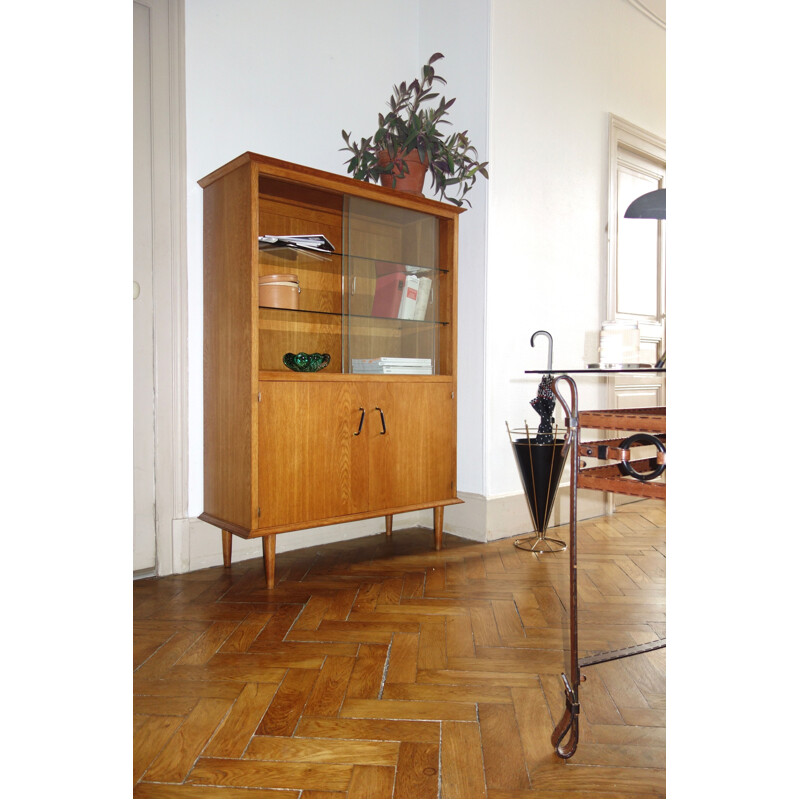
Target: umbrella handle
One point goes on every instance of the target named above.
(550, 351)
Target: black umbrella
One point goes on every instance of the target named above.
(540, 460)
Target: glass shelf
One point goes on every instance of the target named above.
(339, 314)
(295, 253)
(621, 370)
(311, 259)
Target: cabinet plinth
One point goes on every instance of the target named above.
(374, 433)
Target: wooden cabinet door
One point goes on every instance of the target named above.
(310, 465)
(413, 462)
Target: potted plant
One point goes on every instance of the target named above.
(408, 142)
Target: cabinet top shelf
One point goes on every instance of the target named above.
(339, 184)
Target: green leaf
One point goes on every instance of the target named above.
(413, 123)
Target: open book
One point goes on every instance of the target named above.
(315, 242)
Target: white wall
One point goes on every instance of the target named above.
(460, 29)
(534, 82)
(558, 67)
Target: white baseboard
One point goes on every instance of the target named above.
(484, 519)
(198, 545)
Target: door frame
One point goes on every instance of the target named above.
(625, 137)
(170, 295)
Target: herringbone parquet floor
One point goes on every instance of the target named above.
(381, 668)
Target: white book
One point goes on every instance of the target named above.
(393, 371)
(423, 295)
(393, 361)
(408, 302)
(407, 371)
(392, 366)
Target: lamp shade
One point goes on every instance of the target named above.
(652, 205)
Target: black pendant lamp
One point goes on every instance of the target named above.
(652, 205)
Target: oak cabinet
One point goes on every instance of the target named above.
(374, 432)
(410, 457)
(311, 466)
(330, 449)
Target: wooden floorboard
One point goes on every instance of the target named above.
(379, 667)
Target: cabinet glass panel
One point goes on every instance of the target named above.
(393, 281)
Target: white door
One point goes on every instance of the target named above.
(144, 495)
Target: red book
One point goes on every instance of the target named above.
(385, 267)
(388, 293)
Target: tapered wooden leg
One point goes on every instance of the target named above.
(388, 524)
(227, 537)
(438, 524)
(268, 544)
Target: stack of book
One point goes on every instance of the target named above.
(392, 366)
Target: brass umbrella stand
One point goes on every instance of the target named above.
(540, 465)
(540, 460)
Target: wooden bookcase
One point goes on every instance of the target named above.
(287, 450)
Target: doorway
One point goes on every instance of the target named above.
(159, 295)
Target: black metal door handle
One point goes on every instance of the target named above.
(383, 420)
(360, 422)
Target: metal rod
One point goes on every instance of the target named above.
(614, 655)
(569, 722)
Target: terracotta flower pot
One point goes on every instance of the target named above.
(411, 182)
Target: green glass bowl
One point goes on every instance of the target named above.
(306, 362)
